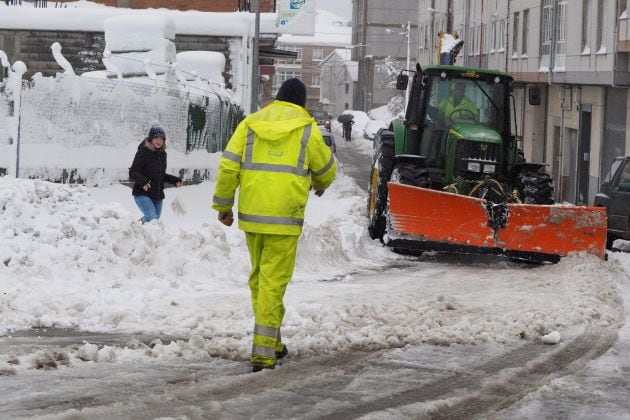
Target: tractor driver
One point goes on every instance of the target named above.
(457, 106)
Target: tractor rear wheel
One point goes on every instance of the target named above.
(377, 190)
(535, 187)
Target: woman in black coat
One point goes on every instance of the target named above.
(148, 173)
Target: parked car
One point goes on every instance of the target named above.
(614, 194)
(322, 118)
(329, 139)
(371, 128)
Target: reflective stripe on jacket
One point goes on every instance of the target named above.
(274, 157)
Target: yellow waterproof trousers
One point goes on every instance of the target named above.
(273, 260)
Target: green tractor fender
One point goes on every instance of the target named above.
(399, 129)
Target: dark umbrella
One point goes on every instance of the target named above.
(343, 118)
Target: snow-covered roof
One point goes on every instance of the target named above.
(343, 55)
(330, 29)
(84, 16)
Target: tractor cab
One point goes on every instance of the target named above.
(459, 121)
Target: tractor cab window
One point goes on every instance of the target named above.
(458, 100)
(470, 101)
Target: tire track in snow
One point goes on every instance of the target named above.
(529, 367)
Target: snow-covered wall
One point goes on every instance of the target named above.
(82, 111)
(86, 129)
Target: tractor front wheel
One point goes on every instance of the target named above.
(535, 187)
(377, 189)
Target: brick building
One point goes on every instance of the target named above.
(331, 32)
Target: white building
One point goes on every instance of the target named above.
(339, 78)
(571, 54)
(331, 32)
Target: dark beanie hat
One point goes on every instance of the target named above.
(294, 91)
(156, 131)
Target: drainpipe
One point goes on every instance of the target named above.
(507, 37)
(481, 35)
(616, 35)
(466, 31)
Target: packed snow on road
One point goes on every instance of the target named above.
(78, 258)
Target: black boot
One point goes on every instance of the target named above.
(280, 354)
(258, 367)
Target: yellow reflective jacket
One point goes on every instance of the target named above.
(464, 108)
(274, 157)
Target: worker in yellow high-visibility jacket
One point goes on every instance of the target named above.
(275, 157)
(457, 106)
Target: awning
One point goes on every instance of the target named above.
(277, 53)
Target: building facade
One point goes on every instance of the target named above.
(338, 81)
(573, 55)
(381, 31)
(331, 32)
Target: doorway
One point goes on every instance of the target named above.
(584, 155)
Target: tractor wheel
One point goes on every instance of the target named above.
(535, 187)
(377, 190)
(411, 175)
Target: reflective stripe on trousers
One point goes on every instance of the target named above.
(273, 260)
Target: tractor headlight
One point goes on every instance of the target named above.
(489, 169)
(474, 166)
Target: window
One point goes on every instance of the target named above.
(515, 33)
(525, 26)
(315, 80)
(477, 39)
(293, 48)
(600, 44)
(561, 32)
(623, 6)
(346, 106)
(318, 54)
(493, 36)
(281, 76)
(471, 38)
(587, 22)
(420, 37)
(546, 29)
(502, 24)
(347, 87)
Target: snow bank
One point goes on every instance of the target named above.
(77, 257)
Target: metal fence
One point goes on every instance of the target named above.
(211, 124)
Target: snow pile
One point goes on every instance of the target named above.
(208, 65)
(78, 257)
(133, 40)
(70, 261)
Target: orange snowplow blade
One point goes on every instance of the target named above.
(422, 218)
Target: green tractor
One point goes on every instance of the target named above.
(451, 177)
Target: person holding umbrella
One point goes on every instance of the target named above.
(346, 121)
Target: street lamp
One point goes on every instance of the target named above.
(407, 32)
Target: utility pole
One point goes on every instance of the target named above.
(255, 59)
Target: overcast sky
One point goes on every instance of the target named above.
(342, 8)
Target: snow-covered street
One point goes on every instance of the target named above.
(370, 333)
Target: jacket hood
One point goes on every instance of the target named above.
(275, 121)
(146, 145)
